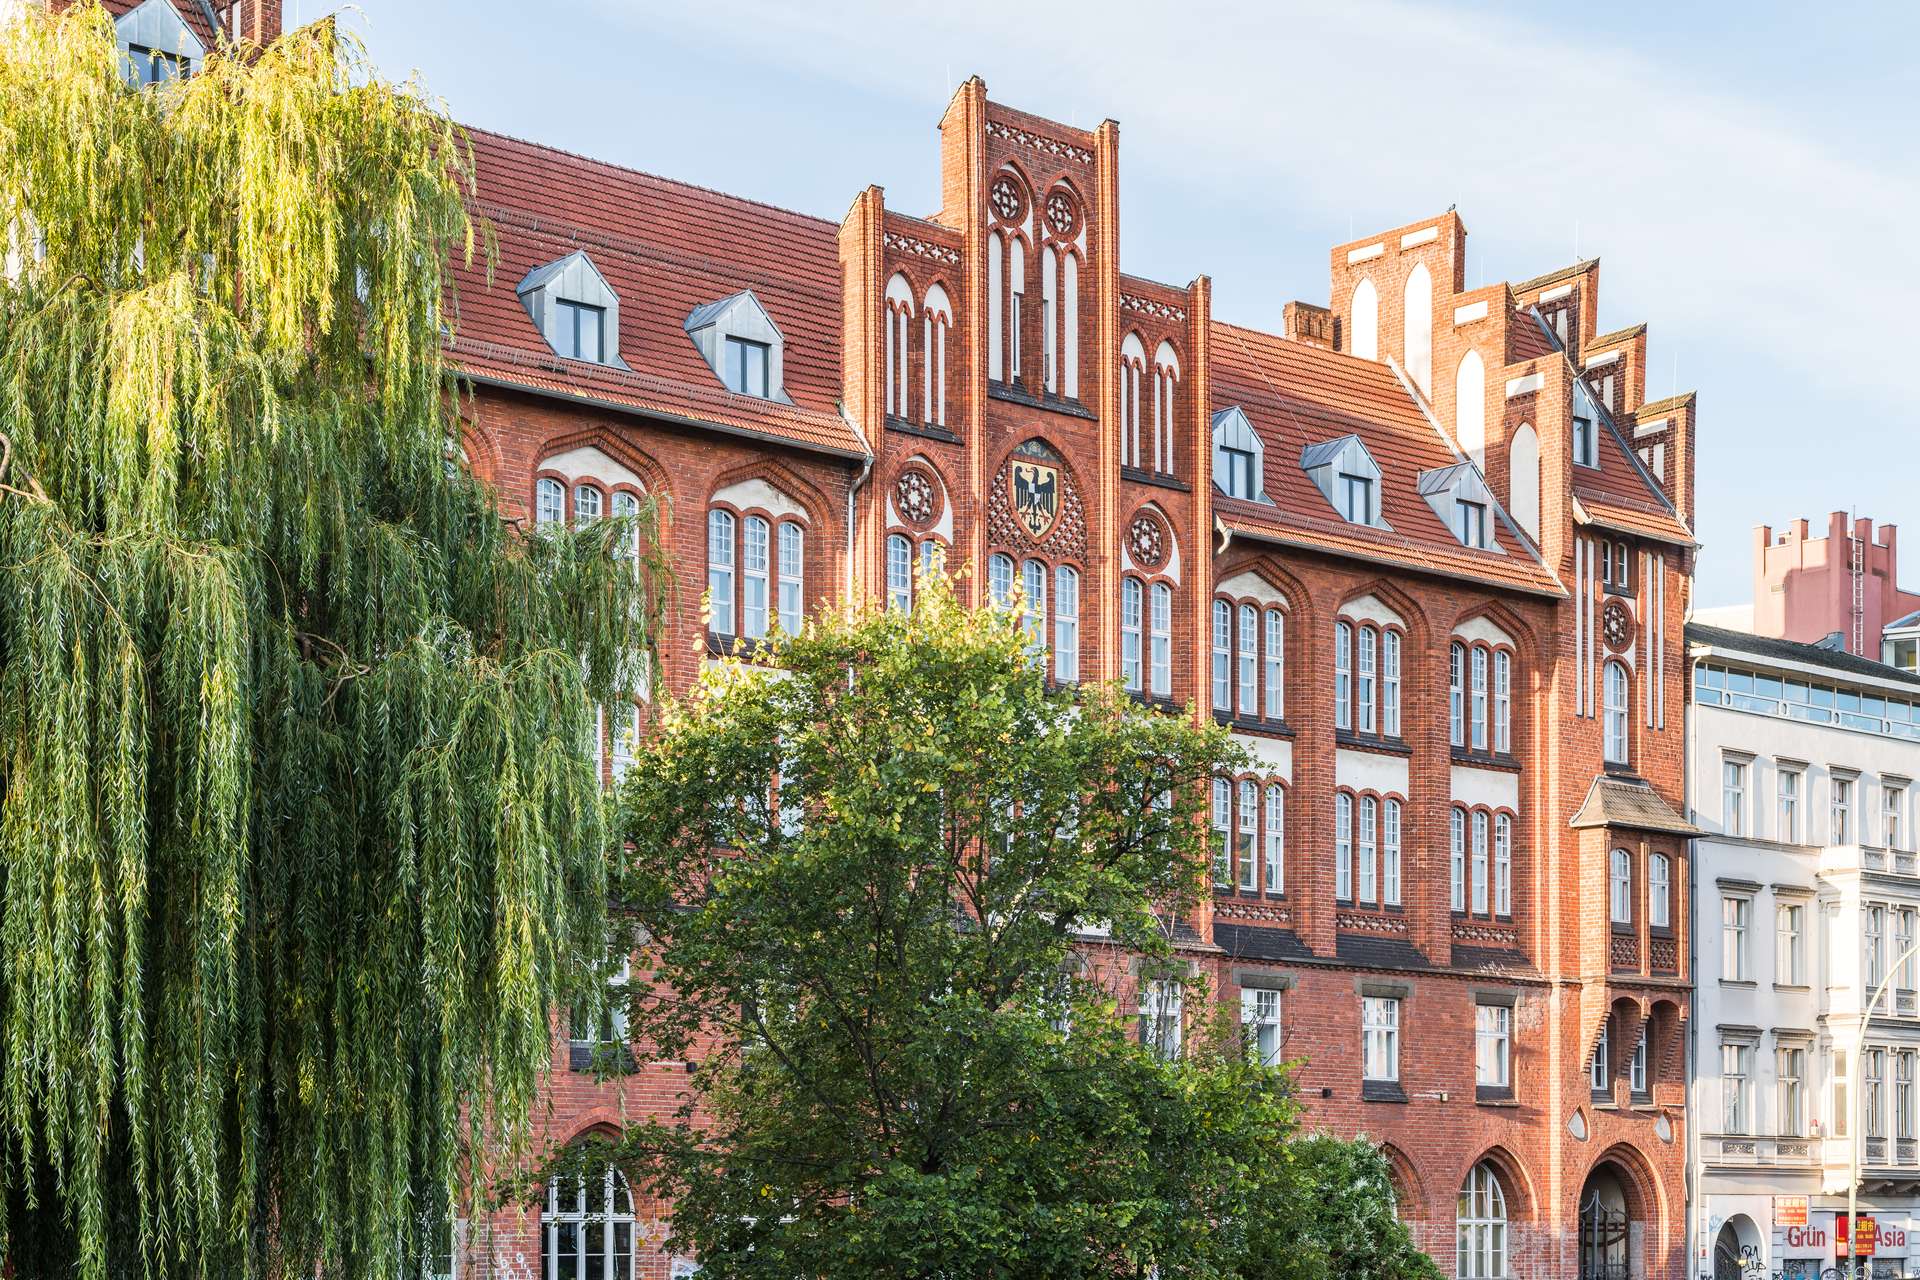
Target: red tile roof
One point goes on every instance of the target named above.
(1619, 494)
(665, 248)
(1298, 395)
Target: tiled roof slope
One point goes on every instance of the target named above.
(1619, 494)
(1298, 395)
(665, 248)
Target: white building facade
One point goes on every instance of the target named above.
(1801, 769)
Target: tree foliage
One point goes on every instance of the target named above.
(906, 1061)
(300, 826)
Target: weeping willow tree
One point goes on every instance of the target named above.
(301, 833)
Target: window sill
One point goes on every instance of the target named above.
(1159, 479)
(1489, 1095)
(1017, 393)
(1368, 742)
(1156, 701)
(1747, 984)
(1481, 917)
(1485, 759)
(1378, 909)
(928, 432)
(1253, 724)
(1382, 1091)
(585, 1058)
(1793, 986)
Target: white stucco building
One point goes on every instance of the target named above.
(1801, 768)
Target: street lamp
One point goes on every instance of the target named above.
(1853, 1105)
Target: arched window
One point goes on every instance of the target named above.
(1367, 683)
(626, 506)
(1049, 320)
(1502, 865)
(1390, 852)
(1390, 683)
(586, 505)
(899, 331)
(587, 1231)
(793, 544)
(1222, 833)
(1659, 892)
(1615, 708)
(1276, 837)
(1417, 317)
(1160, 637)
(1343, 846)
(1364, 316)
(1275, 662)
(1502, 701)
(1480, 862)
(1133, 362)
(549, 504)
(1479, 698)
(1457, 694)
(1481, 1219)
(1620, 884)
(754, 559)
(1249, 835)
(1132, 632)
(1066, 624)
(1457, 859)
(1247, 655)
(1000, 580)
(996, 306)
(936, 321)
(1222, 655)
(1016, 303)
(1343, 676)
(1166, 373)
(1470, 407)
(899, 573)
(720, 569)
(1033, 581)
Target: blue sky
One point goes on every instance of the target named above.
(1749, 176)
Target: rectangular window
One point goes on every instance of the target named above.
(1788, 829)
(1380, 1037)
(1343, 847)
(1659, 892)
(1356, 498)
(1457, 830)
(1369, 833)
(1237, 469)
(1160, 634)
(1456, 695)
(1342, 676)
(1132, 605)
(1222, 833)
(1247, 660)
(1734, 912)
(1479, 699)
(1873, 1092)
(1893, 808)
(1390, 854)
(1583, 442)
(720, 551)
(1260, 1024)
(1066, 624)
(1014, 317)
(1480, 862)
(1365, 663)
(1793, 1092)
(1470, 522)
(1249, 831)
(899, 573)
(1502, 701)
(1789, 946)
(1502, 865)
(1275, 674)
(1599, 1067)
(793, 576)
(1222, 655)
(1839, 1114)
(1390, 683)
(1493, 1033)
(1637, 1068)
(1903, 920)
(1903, 1093)
(1620, 882)
(581, 330)
(1160, 1017)
(156, 66)
(746, 367)
(1842, 811)
(754, 561)
(1736, 1084)
(1276, 837)
(1733, 797)
(1873, 933)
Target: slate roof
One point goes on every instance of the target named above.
(1298, 396)
(1763, 647)
(1382, 953)
(1492, 960)
(1617, 802)
(666, 248)
(1256, 942)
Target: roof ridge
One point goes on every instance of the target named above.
(1670, 402)
(731, 197)
(1617, 335)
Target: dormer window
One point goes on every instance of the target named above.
(581, 332)
(745, 369)
(1458, 495)
(1583, 443)
(575, 309)
(741, 345)
(1348, 478)
(1239, 459)
(1356, 498)
(158, 44)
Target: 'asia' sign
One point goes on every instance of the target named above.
(1869, 1237)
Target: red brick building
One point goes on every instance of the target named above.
(1427, 551)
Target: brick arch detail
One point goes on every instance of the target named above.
(783, 478)
(1526, 643)
(617, 447)
(1266, 565)
(1419, 628)
(1408, 1187)
(1646, 1202)
(1523, 1205)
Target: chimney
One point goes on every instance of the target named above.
(259, 20)
(1304, 322)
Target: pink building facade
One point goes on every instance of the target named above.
(1808, 587)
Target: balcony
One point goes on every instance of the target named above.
(1869, 857)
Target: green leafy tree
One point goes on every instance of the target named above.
(904, 1065)
(301, 835)
(1352, 1212)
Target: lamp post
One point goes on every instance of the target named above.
(1853, 1105)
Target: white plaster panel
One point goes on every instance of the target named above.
(1557, 293)
(1370, 771)
(1494, 788)
(1271, 756)
(1368, 254)
(1521, 386)
(1252, 586)
(1650, 427)
(587, 462)
(1371, 608)
(1469, 313)
(1413, 239)
(1601, 362)
(1483, 630)
(758, 493)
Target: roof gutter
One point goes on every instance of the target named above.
(663, 415)
(1556, 592)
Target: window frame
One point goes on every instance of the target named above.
(1620, 889)
(1493, 1046)
(1380, 1038)
(1480, 1226)
(739, 361)
(575, 314)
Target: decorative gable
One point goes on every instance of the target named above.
(742, 345)
(1460, 497)
(158, 42)
(1346, 474)
(575, 309)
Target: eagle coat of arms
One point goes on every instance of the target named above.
(1036, 496)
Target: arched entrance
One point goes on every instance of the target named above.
(1736, 1250)
(1605, 1229)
